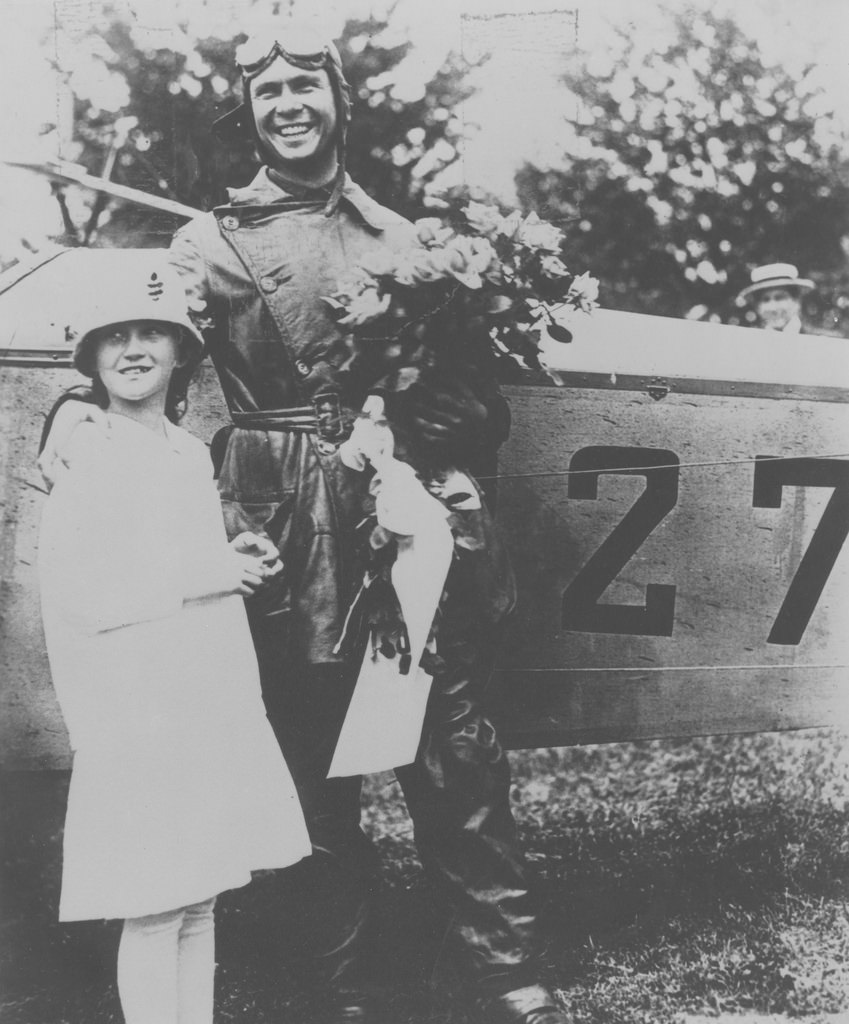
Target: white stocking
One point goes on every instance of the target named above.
(166, 966)
(196, 964)
(147, 968)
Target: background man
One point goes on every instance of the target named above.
(258, 268)
(776, 293)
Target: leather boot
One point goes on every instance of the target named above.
(532, 1004)
(349, 1007)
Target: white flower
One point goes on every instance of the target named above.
(368, 305)
(483, 218)
(583, 292)
(553, 267)
(431, 231)
(420, 266)
(468, 258)
(539, 234)
(358, 282)
(509, 225)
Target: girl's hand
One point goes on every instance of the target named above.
(54, 458)
(238, 573)
(248, 574)
(261, 548)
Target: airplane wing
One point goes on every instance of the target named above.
(66, 173)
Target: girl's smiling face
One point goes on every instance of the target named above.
(135, 360)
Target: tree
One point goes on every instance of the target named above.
(156, 137)
(396, 148)
(691, 163)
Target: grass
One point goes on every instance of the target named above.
(694, 877)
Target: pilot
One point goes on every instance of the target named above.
(776, 293)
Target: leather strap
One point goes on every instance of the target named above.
(324, 418)
(299, 419)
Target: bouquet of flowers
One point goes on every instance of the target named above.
(472, 274)
(475, 287)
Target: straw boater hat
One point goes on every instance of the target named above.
(775, 275)
(137, 286)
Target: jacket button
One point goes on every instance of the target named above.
(303, 368)
(229, 222)
(268, 284)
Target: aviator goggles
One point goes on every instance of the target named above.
(255, 55)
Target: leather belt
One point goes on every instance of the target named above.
(323, 417)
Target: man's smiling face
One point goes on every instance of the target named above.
(295, 115)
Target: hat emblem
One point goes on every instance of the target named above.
(155, 287)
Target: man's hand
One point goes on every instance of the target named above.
(447, 412)
(54, 456)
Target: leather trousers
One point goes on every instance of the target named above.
(456, 791)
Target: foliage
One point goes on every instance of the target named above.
(397, 147)
(143, 114)
(692, 162)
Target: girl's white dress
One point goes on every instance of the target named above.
(178, 789)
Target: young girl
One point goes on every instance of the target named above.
(178, 788)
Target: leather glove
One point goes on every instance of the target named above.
(375, 618)
(446, 411)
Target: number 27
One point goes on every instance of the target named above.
(581, 610)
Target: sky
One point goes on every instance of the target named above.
(516, 107)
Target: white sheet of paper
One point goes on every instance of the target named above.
(384, 722)
(383, 726)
